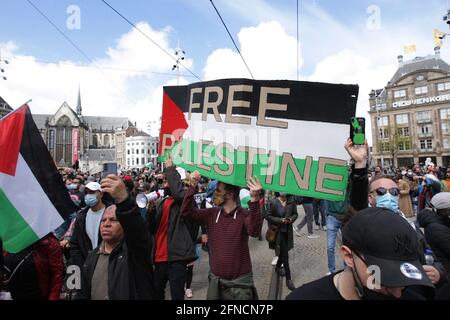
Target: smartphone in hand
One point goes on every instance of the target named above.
(357, 130)
(109, 168)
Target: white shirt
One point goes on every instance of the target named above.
(93, 219)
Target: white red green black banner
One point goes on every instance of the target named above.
(33, 198)
(288, 133)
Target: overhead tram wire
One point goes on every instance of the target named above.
(231, 37)
(80, 65)
(79, 50)
(145, 35)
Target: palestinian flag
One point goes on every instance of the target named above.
(33, 198)
(290, 134)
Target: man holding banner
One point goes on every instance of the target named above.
(229, 226)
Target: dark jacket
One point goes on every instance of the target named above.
(181, 233)
(359, 189)
(437, 234)
(130, 273)
(80, 243)
(270, 214)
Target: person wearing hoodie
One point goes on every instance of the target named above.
(436, 224)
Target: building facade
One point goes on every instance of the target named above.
(73, 138)
(141, 150)
(410, 117)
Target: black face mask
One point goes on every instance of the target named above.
(373, 295)
(167, 192)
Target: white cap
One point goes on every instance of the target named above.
(93, 186)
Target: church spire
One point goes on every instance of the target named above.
(79, 102)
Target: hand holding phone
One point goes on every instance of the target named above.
(109, 168)
(357, 130)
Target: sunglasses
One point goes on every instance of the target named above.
(381, 191)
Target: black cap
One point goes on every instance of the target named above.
(387, 240)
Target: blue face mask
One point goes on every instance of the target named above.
(388, 201)
(90, 200)
(72, 186)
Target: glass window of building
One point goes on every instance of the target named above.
(403, 131)
(445, 128)
(429, 144)
(137, 161)
(132, 151)
(383, 133)
(401, 118)
(400, 93)
(385, 147)
(142, 151)
(128, 151)
(424, 115)
(445, 113)
(443, 86)
(404, 145)
(383, 121)
(137, 151)
(421, 90)
(143, 160)
(445, 143)
(142, 143)
(426, 129)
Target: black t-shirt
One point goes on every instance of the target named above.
(324, 289)
(321, 289)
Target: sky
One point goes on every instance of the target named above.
(121, 72)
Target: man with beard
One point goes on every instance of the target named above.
(174, 237)
(381, 254)
(229, 226)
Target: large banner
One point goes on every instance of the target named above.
(74, 145)
(290, 134)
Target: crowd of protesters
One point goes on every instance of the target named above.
(395, 218)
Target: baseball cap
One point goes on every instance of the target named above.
(441, 200)
(388, 241)
(93, 186)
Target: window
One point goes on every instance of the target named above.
(128, 162)
(142, 143)
(383, 121)
(443, 86)
(404, 145)
(426, 144)
(446, 144)
(424, 115)
(143, 160)
(128, 144)
(385, 147)
(445, 113)
(128, 151)
(142, 151)
(153, 151)
(137, 151)
(401, 119)
(132, 144)
(445, 128)
(383, 133)
(400, 93)
(421, 90)
(426, 129)
(132, 151)
(149, 143)
(132, 162)
(403, 132)
(148, 160)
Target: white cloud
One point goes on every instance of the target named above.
(119, 84)
(268, 50)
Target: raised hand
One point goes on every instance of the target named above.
(114, 185)
(255, 188)
(358, 153)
